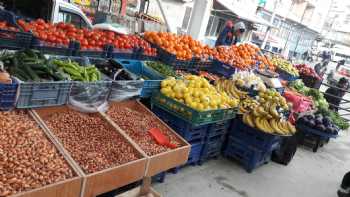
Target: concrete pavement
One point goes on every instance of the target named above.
(308, 175)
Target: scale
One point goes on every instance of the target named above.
(270, 78)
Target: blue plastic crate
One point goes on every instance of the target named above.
(8, 94)
(171, 60)
(192, 134)
(43, 94)
(47, 48)
(247, 155)
(195, 153)
(254, 137)
(12, 39)
(218, 128)
(222, 69)
(138, 68)
(159, 178)
(212, 147)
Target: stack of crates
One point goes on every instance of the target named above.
(195, 135)
(251, 147)
(214, 139)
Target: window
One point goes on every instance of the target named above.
(69, 17)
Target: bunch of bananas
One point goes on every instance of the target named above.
(267, 116)
(272, 126)
(229, 86)
(248, 104)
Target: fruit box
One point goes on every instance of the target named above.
(105, 180)
(191, 115)
(162, 161)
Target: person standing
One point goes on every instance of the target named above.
(231, 34)
(226, 36)
(334, 95)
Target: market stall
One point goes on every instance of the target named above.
(113, 109)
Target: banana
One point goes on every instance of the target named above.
(274, 126)
(231, 90)
(273, 111)
(242, 110)
(267, 126)
(245, 118)
(256, 113)
(261, 111)
(258, 123)
(291, 127)
(250, 120)
(284, 128)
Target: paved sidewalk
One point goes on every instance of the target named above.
(308, 175)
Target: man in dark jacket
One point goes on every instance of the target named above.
(231, 34)
(335, 94)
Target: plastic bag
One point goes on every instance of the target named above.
(123, 90)
(90, 97)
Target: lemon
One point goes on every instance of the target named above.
(196, 94)
(193, 105)
(200, 107)
(197, 100)
(178, 95)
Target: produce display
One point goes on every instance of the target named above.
(6, 26)
(90, 140)
(29, 65)
(230, 87)
(164, 69)
(183, 46)
(73, 71)
(136, 122)
(268, 115)
(197, 93)
(249, 80)
(244, 57)
(320, 123)
(308, 75)
(28, 159)
(285, 66)
(60, 34)
(318, 97)
(209, 76)
(307, 71)
(336, 119)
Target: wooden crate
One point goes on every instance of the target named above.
(67, 188)
(162, 161)
(102, 181)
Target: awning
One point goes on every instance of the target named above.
(243, 14)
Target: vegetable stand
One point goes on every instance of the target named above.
(113, 176)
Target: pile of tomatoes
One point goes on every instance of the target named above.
(183, 46)
(61, 34)
(6, 26)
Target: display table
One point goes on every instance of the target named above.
(312, 137)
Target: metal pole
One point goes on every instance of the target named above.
(163, 14)
(268, 28)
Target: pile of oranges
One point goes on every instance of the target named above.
(244, 56)
(183, 46)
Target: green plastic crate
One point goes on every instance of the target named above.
(191, 115)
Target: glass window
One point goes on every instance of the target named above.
(69, 17)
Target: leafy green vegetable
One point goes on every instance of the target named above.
(163, 69)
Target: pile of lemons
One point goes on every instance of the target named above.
(197, 93)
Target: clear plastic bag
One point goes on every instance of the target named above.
(89, 97)
(123, 90)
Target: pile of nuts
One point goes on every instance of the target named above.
(91, 141)
(28, 160)
(137, 123)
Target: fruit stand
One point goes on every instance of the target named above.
(113, 109)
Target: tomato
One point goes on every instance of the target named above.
(84, 42)
(92, 42)
(43, 36)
